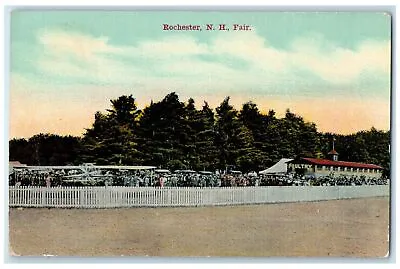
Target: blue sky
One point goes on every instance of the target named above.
(331, 68)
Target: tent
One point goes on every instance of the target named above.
(278, 168)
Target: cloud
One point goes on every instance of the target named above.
(75, 56)
(243, 65)
(179, 57)
(80, 45)
(252, 48)
(338, 65)
(175, 46)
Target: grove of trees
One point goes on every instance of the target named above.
(176, 135)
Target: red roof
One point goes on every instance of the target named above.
(333, 152)
(340, 163)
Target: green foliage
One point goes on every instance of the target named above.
(176, 135)
(163, 132)
(233, 139)
(45, 149)
(112, 137)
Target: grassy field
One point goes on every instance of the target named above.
(356, 228)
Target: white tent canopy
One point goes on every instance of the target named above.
(278, 168)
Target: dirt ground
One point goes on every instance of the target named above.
(357, 228)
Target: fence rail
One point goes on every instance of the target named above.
(109, 197)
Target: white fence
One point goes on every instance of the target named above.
(106, 197)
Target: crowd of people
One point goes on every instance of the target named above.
(181, 178)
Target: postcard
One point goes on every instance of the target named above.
(199, 133)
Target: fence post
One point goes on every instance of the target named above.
(80, 195)
(43, 192)
(169, 202)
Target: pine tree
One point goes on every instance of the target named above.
(206, 149)
(112, 139)
(234, 140)
(163, 133)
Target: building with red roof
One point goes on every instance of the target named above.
(324, 167)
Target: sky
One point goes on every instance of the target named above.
(330, 68)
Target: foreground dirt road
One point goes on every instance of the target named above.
(356, 228)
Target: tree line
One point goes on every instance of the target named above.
(174, 135)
